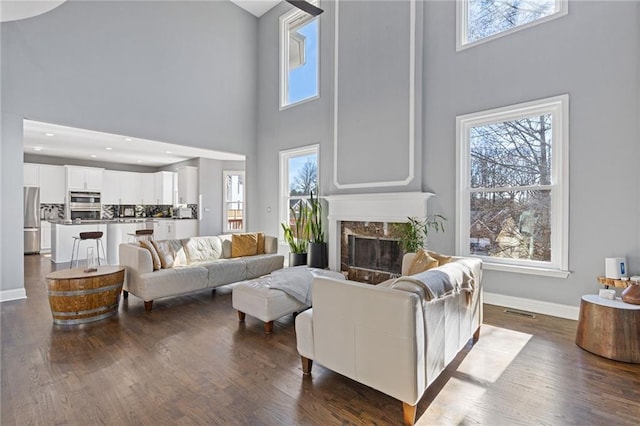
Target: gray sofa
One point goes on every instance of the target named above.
(200, 263)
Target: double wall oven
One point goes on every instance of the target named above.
(84, 205)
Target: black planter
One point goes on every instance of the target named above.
(297, 259)
(318, 257)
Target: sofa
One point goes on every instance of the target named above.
(156, 269)
(394, 337)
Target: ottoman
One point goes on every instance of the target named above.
(256, 298)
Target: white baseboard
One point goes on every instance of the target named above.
(537, 306)
(13, 294)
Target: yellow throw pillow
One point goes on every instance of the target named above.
(422, 262)
(155, 258)
(165, 252)
(260, 242)
(244, 244)
(441, 258)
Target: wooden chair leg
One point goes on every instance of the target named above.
(241, 316)
(409, 413)
(268, 327)
(148, 305)
(306, 365)
(476, 335)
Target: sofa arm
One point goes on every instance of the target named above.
(270, 244)
(373, 335)
(136, 260)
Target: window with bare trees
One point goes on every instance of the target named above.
(483, 20)
(512, 184)
(298, 180)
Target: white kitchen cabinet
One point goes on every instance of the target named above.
(164, 188)
(52, 185)
(186, 228)
(148, 189)
(187, 185)
(84, 178)
(62, 241)
(130, 188)
(45, 236)
(110, 187)
(164, 229)
(31, 175)
(121, 233)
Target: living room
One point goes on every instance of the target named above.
(205, 74)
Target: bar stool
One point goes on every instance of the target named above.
(141, 234)
(84, 236)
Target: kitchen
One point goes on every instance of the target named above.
(176, 200)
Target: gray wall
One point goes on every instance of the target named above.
(182, 72)
(593, 54)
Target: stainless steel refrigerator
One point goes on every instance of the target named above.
(31, 219)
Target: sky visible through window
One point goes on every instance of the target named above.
(296, 165)
(303, 81)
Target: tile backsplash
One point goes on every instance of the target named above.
(110, 211)
(51, 211)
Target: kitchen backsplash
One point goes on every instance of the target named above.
(51, 211)
(110, 211)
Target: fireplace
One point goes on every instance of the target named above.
(363, 236)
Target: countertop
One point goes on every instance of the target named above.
(116, 221)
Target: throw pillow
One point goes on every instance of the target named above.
(165, 252)
(155, 258)
(422, 262)
(441, 258)
(261, 243)
(244, 245)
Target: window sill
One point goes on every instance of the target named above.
(545, 272)
(300, 102)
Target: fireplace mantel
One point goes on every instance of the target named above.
(381, 207)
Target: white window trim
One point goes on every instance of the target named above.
(284, 58)
(558, 106)
(462, 6)
(285, 155)
(225, 215)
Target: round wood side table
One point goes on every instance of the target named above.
(609, 328)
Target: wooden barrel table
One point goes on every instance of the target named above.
(78, 297)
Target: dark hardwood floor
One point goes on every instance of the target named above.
(190, 361)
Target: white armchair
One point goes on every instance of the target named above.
(354, 329)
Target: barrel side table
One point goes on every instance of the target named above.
(78, 297)
(609, 328)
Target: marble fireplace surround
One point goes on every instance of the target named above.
(380, 207)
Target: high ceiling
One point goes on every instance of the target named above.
(60, 141)
(256, 7)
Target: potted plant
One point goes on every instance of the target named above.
(298, 236)
(317, 257)
(414, 232)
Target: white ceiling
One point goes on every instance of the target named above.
(88, 145)
(256, 7)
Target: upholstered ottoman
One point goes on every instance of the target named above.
(257, 298)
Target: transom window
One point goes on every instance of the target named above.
(298, 179)
(513, 186)
(234, 194)
(484, 20)
(298, 57)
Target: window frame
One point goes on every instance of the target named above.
(285, 20)
(558, 107)
(225, 213)
(285, 156)
(462, 24)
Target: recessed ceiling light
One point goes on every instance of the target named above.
(168, 152)
(93, 156)
(128, 139)
(49, 134)
(108, 148)
(37, 148)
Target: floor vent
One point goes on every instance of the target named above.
(520, 313)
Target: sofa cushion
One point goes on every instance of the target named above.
(422, 262)
(442, 259)
(244, 244)
(201, 249)
(261, 243)
(155, 258)
(225, 271)
(171, 253)
(263, 264)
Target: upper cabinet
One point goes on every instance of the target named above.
(148, 189)
(187, 185)
(31, 175)
(84, 178)
(52, 187)
(110, 187)
(163, 188)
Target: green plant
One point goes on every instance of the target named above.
(414, 232)
(316, 233)
(298, 236)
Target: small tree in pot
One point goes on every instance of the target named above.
(414, 232)
(317, 257)
(298, 236)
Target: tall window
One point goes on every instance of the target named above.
(233, 210)
(298, 178)
(483, 20)
(298, 57)
(513, 186)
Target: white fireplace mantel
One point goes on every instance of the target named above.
(381, 207)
